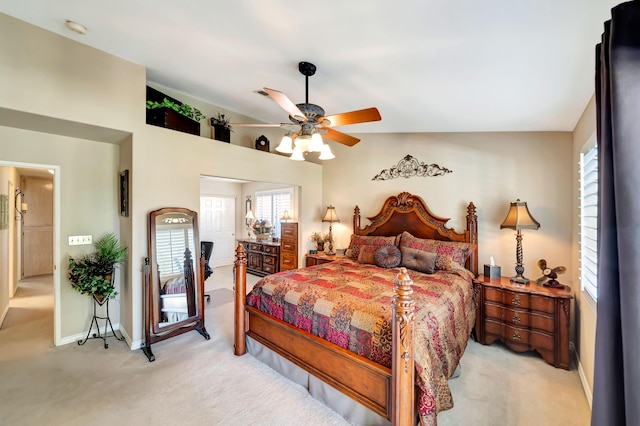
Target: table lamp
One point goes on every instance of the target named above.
(518, 218)
(331, 216)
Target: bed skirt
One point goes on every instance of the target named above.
(349, 409)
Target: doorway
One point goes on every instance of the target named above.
(30, 252)
(218, 224)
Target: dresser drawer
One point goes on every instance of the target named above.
(287, 245)
(289, 232)
(255, 247)
(508, 298)
(543, 304)
(288, 261)
(270, 249)
(271, 269)
(269, 260)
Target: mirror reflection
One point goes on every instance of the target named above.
(175, 258)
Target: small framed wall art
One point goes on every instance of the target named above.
(124, 193)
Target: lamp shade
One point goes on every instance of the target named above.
(519, 217)
(331, 215)
(285, 216)
(249, 215)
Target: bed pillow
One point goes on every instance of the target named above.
(366, 240)
(387, 256)
(418, 260)
(459, 251)
(366, 254)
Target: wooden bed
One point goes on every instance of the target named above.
(389, 392)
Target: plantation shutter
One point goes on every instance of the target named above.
(589, 221)
(270, 206)
(170, 247)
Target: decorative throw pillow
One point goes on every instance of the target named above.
(418, 260)
(387, 256)
(444, 262)
(366, 240)
(367, 254)
(459, 251)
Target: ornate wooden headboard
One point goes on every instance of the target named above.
(407, 212)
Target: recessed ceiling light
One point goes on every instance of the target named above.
(76, 28)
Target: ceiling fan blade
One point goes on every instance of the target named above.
(353, 117)
(340, 137)
(286, 104)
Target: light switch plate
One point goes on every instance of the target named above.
(79, 240)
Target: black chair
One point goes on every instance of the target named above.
(207, 249)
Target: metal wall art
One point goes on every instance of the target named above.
(408, 167)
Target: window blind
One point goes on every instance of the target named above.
(270, 205)
(589, 221)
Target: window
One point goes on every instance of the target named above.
(589, 221)
(270, 205)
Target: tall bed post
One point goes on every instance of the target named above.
(240, 266)
(472, 231)
(402, 358)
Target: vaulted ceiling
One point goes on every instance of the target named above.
(428, 65)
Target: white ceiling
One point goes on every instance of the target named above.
(428, 65)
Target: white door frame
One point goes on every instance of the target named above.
(56, 238)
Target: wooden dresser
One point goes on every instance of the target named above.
(525, 317)
(288, 246)
(263, 257)
(320, 258)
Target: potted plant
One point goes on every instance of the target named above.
(92, 273)
(221, 128)
(174, 115)
(319, 240)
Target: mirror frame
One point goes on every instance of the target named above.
(153, 332)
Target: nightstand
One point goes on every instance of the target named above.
(320, 258)
(524, 317)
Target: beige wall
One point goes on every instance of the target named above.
(56, 86)
(490, 169)
(585, 317)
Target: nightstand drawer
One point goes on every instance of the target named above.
(543, 322)
(508, 298)
(517, 335)
(508, 315)
(542, 341)
(544, 304)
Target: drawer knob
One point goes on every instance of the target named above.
(516, 300)
(516, 336)
(516, 318)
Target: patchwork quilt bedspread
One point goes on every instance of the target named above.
(349, 304)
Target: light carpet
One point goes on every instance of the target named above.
(199, 382)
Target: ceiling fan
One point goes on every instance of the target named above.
(309, 124)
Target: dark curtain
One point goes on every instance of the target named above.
(616, 393)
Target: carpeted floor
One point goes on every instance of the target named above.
(199, 382)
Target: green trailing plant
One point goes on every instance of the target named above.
(183, 109)
(91, 274)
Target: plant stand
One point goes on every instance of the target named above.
(95, 319)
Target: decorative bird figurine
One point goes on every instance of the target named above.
(549, 275)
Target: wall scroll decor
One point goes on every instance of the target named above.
(408, 167)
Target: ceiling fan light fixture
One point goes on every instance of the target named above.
(302, 142)
(286, 145)
(316, 143)
(297, 155)
(325, 153)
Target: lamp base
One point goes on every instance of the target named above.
(519, 280)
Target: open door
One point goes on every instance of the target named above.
(37, 226)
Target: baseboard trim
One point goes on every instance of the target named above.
(81, 336)
(132, 345)
(583, 378)
(4, 315)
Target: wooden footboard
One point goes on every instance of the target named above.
(388, 392)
